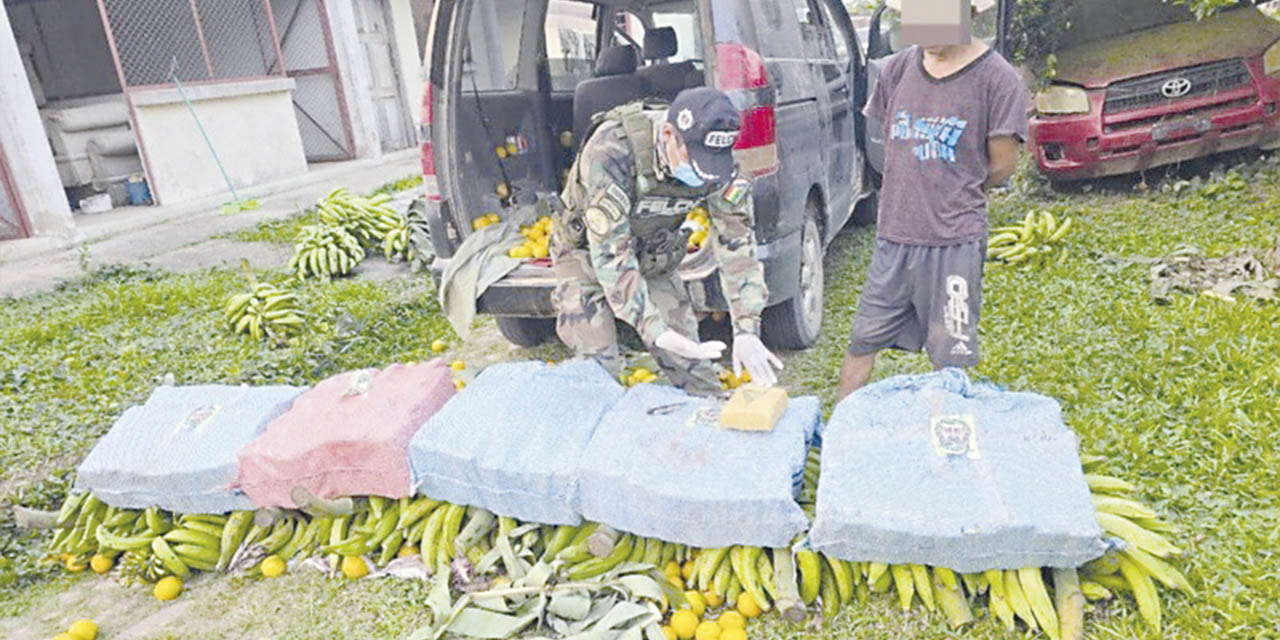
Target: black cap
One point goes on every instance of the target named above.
(709, 125)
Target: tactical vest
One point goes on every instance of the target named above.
(659, 208)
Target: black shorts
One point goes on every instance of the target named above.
(918, 297)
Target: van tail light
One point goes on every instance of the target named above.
(741, 74)
(430, 184)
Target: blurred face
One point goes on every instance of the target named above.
(937, 25)
(675, 152)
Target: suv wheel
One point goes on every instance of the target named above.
(526, 332)
(796, 323)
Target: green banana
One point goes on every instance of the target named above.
(596, 566)
(191, 536)
(171, 561)
(810, 566)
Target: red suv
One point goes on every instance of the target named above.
(1142, 84)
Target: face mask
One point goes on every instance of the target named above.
(685, 173)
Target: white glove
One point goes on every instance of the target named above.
(684, 347)
(750, 353)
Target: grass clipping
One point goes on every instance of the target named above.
(1249, 273)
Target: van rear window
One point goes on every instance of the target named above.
(571, 43)
(491, 55)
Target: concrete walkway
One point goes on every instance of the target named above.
(181, 237)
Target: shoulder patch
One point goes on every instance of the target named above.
(736, 191)
(598, 222)
(619, 196)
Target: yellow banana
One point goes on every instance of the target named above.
(950, 598)
(1124, 507)
(1148, 541)
(1037, 596)
(844, 576)
(810, 566)
(1107, 484)
(920, 576)
(904, 583)
(997, 600)
(1159, 569)
(1093, 591)
(1069, 600)
(1144, 591)
(1017, 600)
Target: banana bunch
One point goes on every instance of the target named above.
(537, 243)
(395, 244)
(325, 251)
(267, 310)
(701, 223)
(1032, 242)
(368, 219)
(150, 543)
(1142, 562)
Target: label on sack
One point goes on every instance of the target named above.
(954, 435)
(196, 418)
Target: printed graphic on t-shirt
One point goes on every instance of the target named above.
(940, 135)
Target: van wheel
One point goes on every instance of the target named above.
(526, 332)
(796, 323)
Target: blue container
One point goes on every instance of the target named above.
(139, 192)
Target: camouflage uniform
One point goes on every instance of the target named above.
(618, 241)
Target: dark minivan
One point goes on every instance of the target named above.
(513, 83)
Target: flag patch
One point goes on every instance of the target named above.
(736, 191)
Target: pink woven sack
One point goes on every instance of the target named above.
(348, 435)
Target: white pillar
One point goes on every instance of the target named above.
(408, 56)
(26, 148)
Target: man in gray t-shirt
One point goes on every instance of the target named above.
(953, 119)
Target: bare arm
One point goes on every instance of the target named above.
(1002, 159)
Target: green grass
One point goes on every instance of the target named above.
(1181, 398)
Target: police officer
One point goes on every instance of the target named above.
(621, 236)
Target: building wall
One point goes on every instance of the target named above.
(250, 123)
(26, 149)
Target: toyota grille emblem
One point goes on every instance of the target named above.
(1176, 88)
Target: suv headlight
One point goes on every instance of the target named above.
(1271, 59)
(1062, 99)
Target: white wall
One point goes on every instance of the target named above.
(251, 124)
(26, 149)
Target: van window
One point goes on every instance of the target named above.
(782, 47)
(491, 55)
(840, 38)
(813, 30)
(571, 43)
(680, 16)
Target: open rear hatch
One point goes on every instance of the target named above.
(500, 118)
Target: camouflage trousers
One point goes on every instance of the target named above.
(585, 322)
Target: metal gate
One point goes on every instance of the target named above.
(306, 41)
(13, 221)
